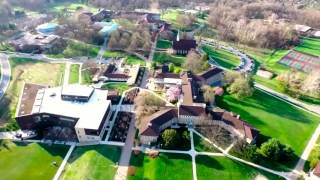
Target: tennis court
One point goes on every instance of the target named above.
(300, 61)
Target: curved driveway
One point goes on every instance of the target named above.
(5, 74)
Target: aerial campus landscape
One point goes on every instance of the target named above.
(159, 89)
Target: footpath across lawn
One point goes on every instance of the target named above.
(92, 162)
(165, 166)
(30, 160)
(274, 119)
(223, 168)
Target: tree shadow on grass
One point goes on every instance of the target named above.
(210, 162)
(111, 153)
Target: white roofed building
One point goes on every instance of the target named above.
(82, 109)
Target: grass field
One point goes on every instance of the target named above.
(201, 145)
(30, 161)
(274, 118)
(223, 168)
(27, 71)
(166, 166)
(74, 74)
(222, 57)
(162, 58)
(130, 59)
(92, 162)
(164, 44)
(118, 86)
(77, 49)
(309, 46)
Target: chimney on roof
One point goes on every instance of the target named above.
(238, 116)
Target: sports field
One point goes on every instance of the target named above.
(30, 160)
(301, 61)
(27, 71)
(309, 46)
(92, 162)
(165, 166)
(223, 168)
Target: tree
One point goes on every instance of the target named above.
(241, 87)
(274, 150)
(196, 62)
(209, 94)
(185, 21)
(170, 138)
(245, 150)
(311, 84)
(171, 67)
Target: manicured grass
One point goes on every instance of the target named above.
(164, 44)
(223, 168)
(165, 166)
(92, 162)
(130, 59)
(77, 49)
(86, 77)
(118, 86)
(268, 58)
(222, 57)
(74, 74)
(26, 70)
(162, 58)
(309, 46)
(30, 161)
(270, 83)
(274, 118)
(201, 145)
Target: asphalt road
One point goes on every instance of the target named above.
(5, 74)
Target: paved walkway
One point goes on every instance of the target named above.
(311, 108)
(124, 161)
(64, 162)
(282, 174)
(307, 150)
(193, 156)
(5, 73)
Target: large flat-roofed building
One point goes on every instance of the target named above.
(72, 113)
(36, 43)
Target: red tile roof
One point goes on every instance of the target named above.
(191, 110)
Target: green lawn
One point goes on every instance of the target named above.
(130, 59)
(309, 46)
(201, 145)
(74, 74)
(222, 57)
(166, 166)
(77, 49)
(268, 58)
(26, 70)
(164, 44)
(92, 162)
(118, 86)
(163, 58)
(223, 168)
(30, 161)
(274, 118)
